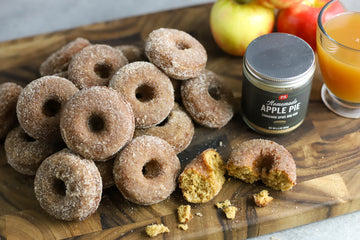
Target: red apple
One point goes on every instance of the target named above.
(278, 3)
(301, 19)
(235, 23)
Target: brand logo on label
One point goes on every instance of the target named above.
(283, 97)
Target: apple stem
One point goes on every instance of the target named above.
(243, 1)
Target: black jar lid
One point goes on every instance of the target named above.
(280, 59)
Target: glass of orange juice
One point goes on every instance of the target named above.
(338, 48)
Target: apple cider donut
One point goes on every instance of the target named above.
(25, 153)
(208, 101)
(59, 61)
(147, 89)
(9, 94)
(178, 129)
(96, 123)
(176, 52)
(95, 65)
(145, 171)
(264, 160)
(67, 186)
(39, 106)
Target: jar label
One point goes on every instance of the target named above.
(274, 111)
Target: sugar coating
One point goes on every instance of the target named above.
(113, 110)
(130, 179)
(133, 53)
(265, 160)
(82, 67)
(30, 106)
(9, 94)
(25, 154)
(202, 106)
(59, 61)
(67, 186)
(176, 52)
(203, 178)
(157, 95)
(178, 129)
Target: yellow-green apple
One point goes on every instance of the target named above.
(235, 23)
(301, 19)
(278, 3)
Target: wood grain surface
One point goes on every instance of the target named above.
(325, 148)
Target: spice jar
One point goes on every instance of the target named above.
(277, 76)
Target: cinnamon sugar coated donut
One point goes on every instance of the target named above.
(59, 61)
(95, 65)
(24, 153)
(67, 186)
(145, 171)
(178, 129)
(176, 52)
(133, 53)
(96, 123)
(208, 101)
(9, 94)
(147, 89)
(39, 106)
(264, 160)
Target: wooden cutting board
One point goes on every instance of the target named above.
(325, 148)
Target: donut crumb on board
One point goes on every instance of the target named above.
(184, 213)
(228, 209)
(262, 198)
(155, 229)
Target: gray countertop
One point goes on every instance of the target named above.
(21, 18)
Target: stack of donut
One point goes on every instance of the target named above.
(100, 115)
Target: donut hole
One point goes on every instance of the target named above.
(144, 93)
(265, 163)
(59, 187)
(182, 45)
(51, 107)
(103, 69)
(215, 92)
(151, 169)
(96, 123)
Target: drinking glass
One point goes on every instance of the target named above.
(338, 47)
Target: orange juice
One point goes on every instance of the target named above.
(340, 63)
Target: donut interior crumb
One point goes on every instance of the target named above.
(277, 180)
(183, 226)
(262, 198)
(184, 213)
(244, 173)
(155, 229)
